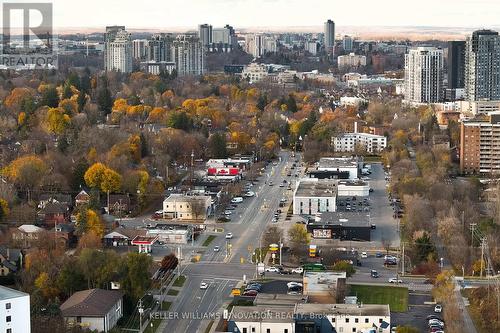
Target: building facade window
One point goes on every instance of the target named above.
(7, 306)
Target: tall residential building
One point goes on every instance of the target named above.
(110, 36)
(329, 36)
(482, 66)
(205, 34)
(424, 75)
(347, 43)
(351, 60)
(158, 48)
(188, 54)
(139, 48)
(456, 70)
(15, 310)
(118, 55)
(480, 145)
(223, 39)
(260, 44)
(456, 64)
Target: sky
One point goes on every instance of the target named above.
(275, 13)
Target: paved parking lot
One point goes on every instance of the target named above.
(417, 312)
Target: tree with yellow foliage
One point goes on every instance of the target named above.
(101, 177)
(134, 143)
(26, 171)
(4, 209)
(46, 286)
(57, 120)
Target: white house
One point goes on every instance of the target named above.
(95, 309)
(15, 309)
(314, 195)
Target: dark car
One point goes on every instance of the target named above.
(374, 274)
(379, 255)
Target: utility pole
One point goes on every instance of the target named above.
(472, 227)
(403, 261)
(281, 244)
(141, 310)
(179, 261)
(483, 244)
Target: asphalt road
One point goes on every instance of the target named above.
(223, 269)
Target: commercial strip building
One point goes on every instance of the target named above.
(480, 145)
(310, 317)
(344, 226)
(15, 309)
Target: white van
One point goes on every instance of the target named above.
(237, 200)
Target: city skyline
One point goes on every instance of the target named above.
(263, 13)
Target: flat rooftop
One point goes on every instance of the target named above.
(361, 219)
(8, 293)
(338, 162)
(263, 313)
(313, 187)
(279, 299)
(352, 182)
(344, 309)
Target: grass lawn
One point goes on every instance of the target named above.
(166, 305)
(179, 282)
(156, 323)
(173, 292)
(209, 240)
(396, 297)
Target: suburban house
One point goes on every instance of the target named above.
(26, 234)
(54, 213)
(64, 234)
(119, 204)
(82, 198)
(15, 307)
(9, 260)
(53, 197)
(183, 207)
(94, 309)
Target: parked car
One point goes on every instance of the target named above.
(298, 270)
(395, 280)
(429, 317)
(250, 293)
(272, 269)
(250, 194)
(438, 308)
(227, 212)
(236, 200)
(293, 284)
(216, 248)
(271, 183)
(203, 285)
(229, 235)
(436, 322)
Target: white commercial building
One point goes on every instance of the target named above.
(340, 164)
(351, 188)
(118, 55)
(351, 60)
(344, 318)
(261, 319)
(15, 306)
(188, 55)
(314, 196)
(424, 75)
(352, 101)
